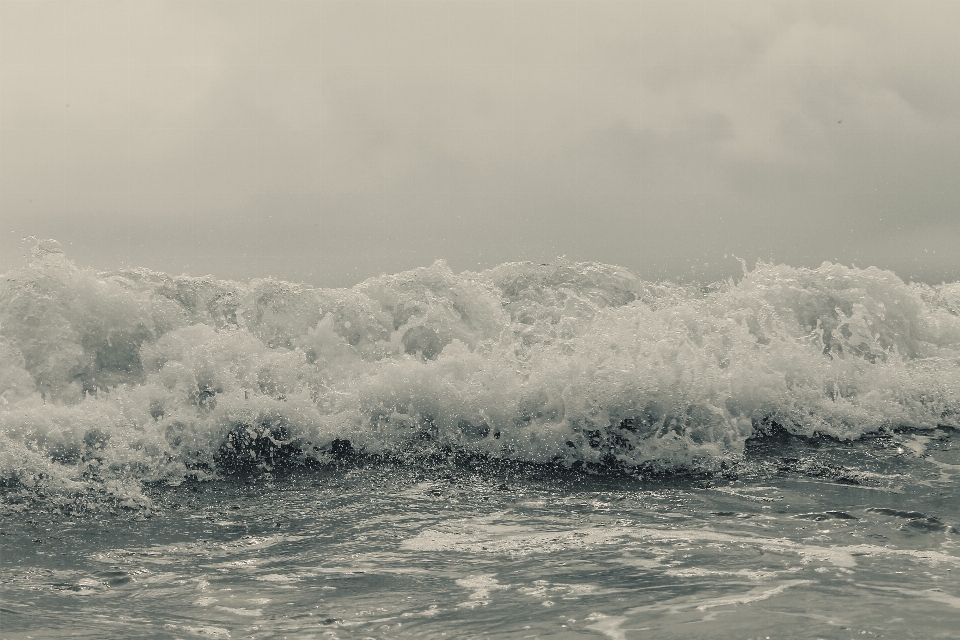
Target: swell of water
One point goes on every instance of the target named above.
(112, 380)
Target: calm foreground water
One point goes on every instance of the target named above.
(805, 539)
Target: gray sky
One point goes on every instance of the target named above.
(328, 140)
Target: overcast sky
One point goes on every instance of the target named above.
(328, 141)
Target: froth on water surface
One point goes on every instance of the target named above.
(113, 381)
(532, 450)
(805, 539)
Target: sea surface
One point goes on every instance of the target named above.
(536, 450)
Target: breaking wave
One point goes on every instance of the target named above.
(112, 380)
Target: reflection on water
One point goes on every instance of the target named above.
(806, 539)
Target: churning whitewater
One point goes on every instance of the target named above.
(112, 380)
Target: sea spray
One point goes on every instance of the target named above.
(112, 380)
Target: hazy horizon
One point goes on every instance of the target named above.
(327, 141)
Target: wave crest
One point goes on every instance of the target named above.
(115, 379)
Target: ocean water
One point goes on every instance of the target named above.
(535, 450)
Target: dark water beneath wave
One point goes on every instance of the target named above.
(534, 450)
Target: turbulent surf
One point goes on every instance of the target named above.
(110, 381)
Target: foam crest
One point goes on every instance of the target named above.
(110, 380)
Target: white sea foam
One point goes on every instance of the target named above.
(109, 380)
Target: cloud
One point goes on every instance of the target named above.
(371, 136)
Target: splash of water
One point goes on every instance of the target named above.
(111, 380)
